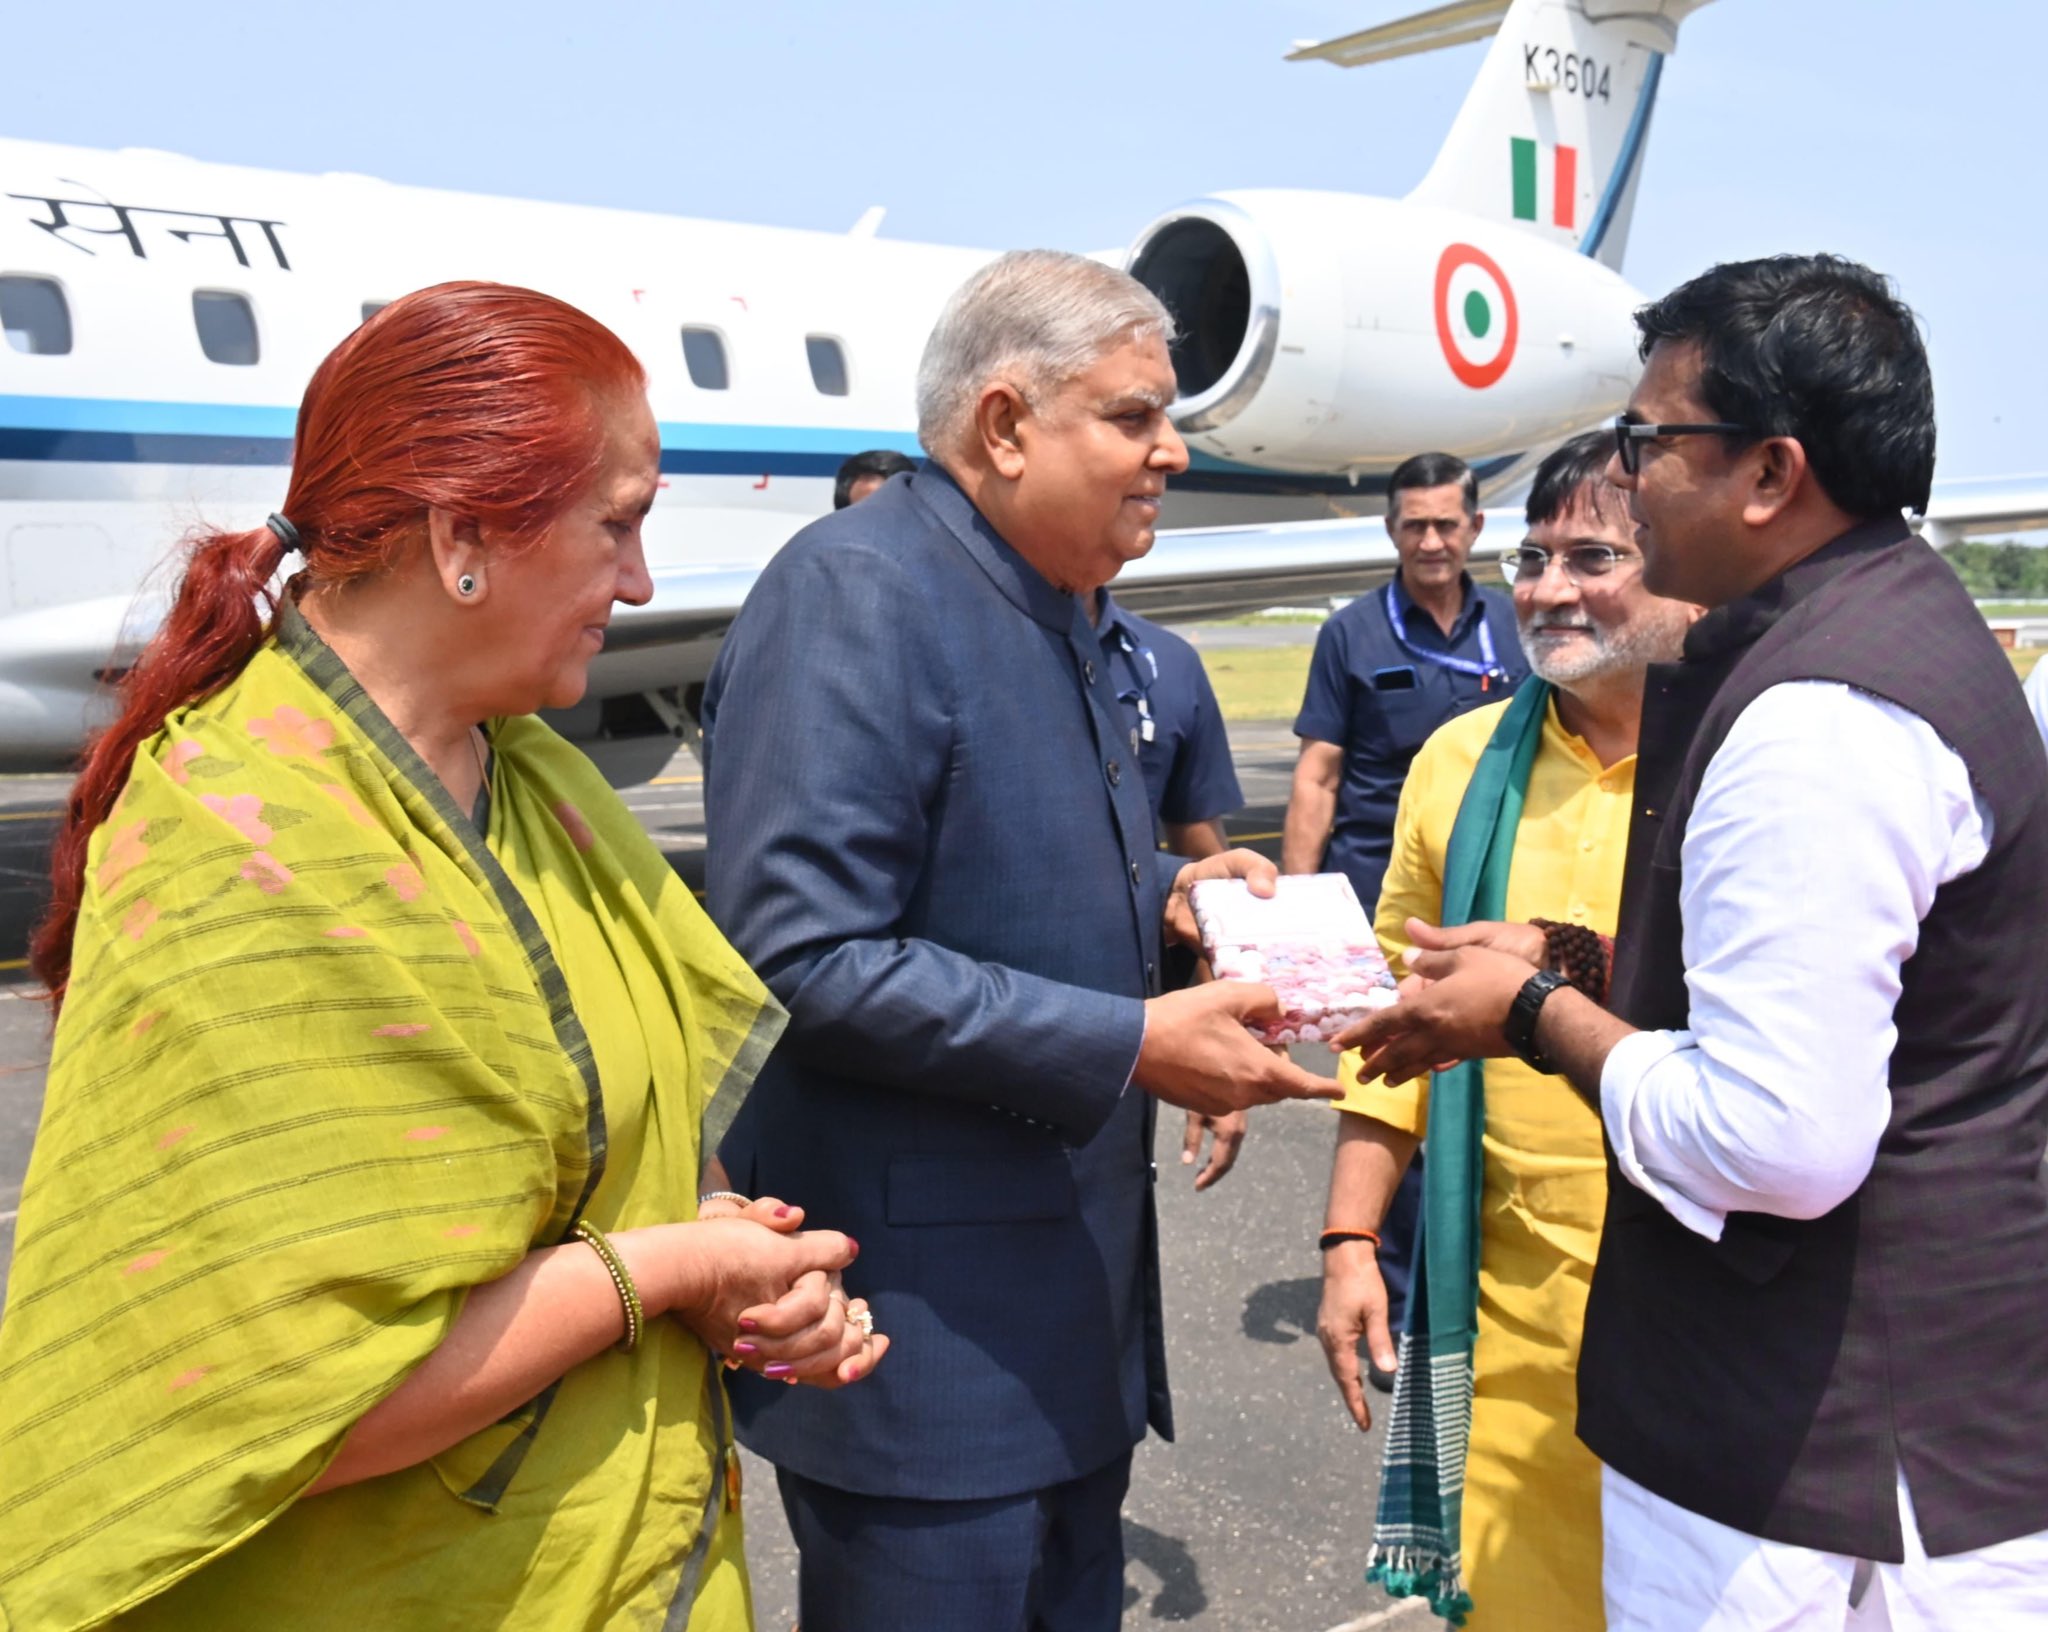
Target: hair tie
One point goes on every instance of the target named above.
(287, 534)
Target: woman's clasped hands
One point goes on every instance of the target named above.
(766, 1293)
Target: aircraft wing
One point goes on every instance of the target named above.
(1976, 506)
(1221, 572)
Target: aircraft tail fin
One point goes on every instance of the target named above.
(1552, 133)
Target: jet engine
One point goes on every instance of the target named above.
(1335, 334)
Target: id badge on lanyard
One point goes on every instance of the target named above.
(1487, 669)
(1147, 727)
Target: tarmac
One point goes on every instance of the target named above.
(1257, 1518)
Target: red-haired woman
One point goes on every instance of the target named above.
(368, 1163)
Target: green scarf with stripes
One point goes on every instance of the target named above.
(1415, 1539)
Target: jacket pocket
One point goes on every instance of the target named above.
(979, 1189)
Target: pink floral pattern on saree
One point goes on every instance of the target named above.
(291, 733)
(124, 853)
(406, 881)
(267, 873)
(180, 757)
(243, 812)
(358, 812)
(140, 917)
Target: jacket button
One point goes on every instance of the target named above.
(1116, 773)
(1088, 671)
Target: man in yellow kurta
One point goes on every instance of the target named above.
(1529, 1557)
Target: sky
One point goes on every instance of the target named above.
(1905, 135)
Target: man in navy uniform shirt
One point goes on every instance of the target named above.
(1388, 670)
(1176, 729)
(1177, 733)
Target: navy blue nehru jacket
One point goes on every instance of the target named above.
(1176, 728)
(927, 834)
(1385, 676)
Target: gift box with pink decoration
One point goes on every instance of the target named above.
(1310, 941)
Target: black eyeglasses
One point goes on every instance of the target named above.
(1528, 564)
(1631, 434)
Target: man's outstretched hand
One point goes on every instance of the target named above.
(1453, 1002)
(1197, 1054)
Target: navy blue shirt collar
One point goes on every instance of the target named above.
(1470, 610)
(1112, 618)
(1022, 584)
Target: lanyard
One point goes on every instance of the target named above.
(1487, 669)
(1147, 729)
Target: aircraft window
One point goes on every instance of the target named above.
(227, 327)
(828, 364)
(372, 307)
(33, 312)
(704, 357)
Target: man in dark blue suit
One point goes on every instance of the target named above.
(929, 834)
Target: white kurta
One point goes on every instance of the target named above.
(1822, 829)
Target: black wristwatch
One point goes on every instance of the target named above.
(1520, 1025)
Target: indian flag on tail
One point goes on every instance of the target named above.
(1564, 181)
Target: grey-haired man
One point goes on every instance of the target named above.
(929, 834)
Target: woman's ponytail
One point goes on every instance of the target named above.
(213, 629)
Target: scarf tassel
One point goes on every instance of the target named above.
(1408, 1572)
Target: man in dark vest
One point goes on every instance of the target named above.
(1816, 1353)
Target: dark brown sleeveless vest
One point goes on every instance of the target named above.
(1775, 1381)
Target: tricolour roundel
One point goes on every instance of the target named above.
(1476, 318)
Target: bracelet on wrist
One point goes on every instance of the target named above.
(733, 1196)
(615, 1266)
(1336, 1238)
(1583, 956)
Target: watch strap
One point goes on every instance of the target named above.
(1520, 1025)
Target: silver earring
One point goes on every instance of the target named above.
(465, 585)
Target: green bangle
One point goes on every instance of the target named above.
(614, 1266)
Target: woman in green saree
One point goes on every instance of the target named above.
(368, 1162)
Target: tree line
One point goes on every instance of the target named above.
(2003, 571)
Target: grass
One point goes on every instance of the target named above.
(2013, 609)
(1258, 682)
(1265, 682)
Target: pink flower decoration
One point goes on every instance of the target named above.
(467, 937)
(185, 1379)
(267, 873)
(575, 826)
(458, 1231)
(140, 917)
(142, 1025)
(358, 812)
(412, 1030)
(147, 1262)
(125, 852)
(243, 812)
(405, 879)
(181, 755)
(344, 932)
(291, 734)
(177, 1135)
(424, 1134)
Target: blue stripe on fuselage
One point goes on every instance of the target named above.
(95, 430)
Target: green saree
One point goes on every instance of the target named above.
(330, 1058)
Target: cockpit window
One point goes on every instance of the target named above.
(828, 364)
(34, 313)
(227, 327)
(704, 357)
